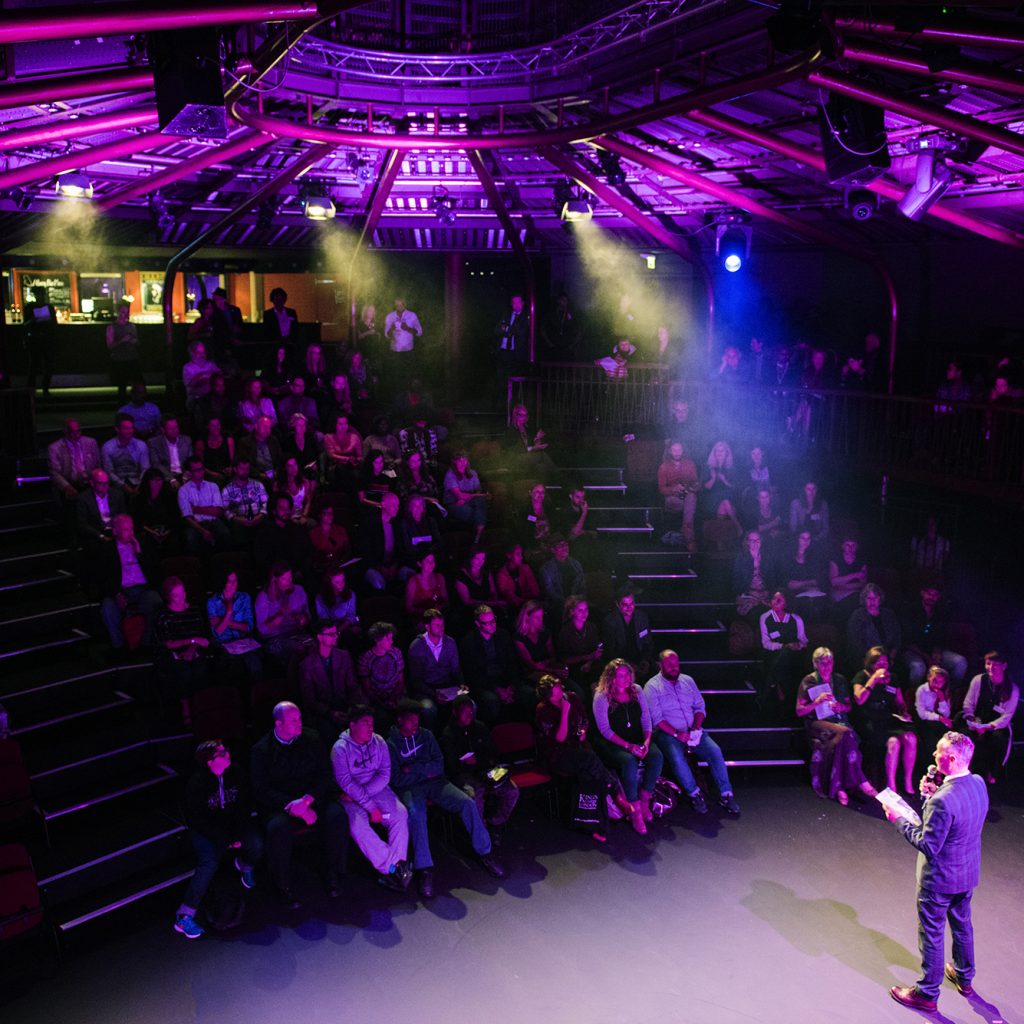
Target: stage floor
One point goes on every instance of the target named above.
(800, 911)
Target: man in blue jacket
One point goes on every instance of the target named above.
(948, 842)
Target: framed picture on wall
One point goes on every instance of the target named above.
(152, 291)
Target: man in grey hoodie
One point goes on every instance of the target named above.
(417, 775)
(362, 768)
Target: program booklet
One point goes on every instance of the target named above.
(893, 802)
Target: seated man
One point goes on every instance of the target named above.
(292, 789)
(561, 576)
(71, 459)
(417, 776)
(281, 539)
(145, 413)
(124, 574)
(169, 451)
(96, 508)
(678, 713)
(362, 769)
(245, 504)
(298, 402)
(470, 761)
(925, 628)
(217, 812)
(783, 639)
(679, 482)
(627, 633)
(434, 671)
(202, 508)
(378, 545)
(327, 683)
(492, 671)
(125, 457)
(262, 451)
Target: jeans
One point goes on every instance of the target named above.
(708, 749)
(196, 545)
(933, 910)
(141, 601)
(627, 767)
(331, 823)
(449, 798)
(208, 857)
(473, 512)
(382, 855)
(917, 668)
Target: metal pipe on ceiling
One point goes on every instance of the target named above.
(960, 124)
(390, 167)
(653, 227)
(57, 132)
(512, 234)
(743, 202)
(107, 19)
(208, 158)
(73, 87)
(961, 72)
(288, 174)
(880, 186)
(999, 35)
(42, 169)
(768, 78)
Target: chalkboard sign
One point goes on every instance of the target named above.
(57, 285)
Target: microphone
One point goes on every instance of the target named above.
(932, 772)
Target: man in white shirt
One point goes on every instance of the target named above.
(125, 571)
(783, 639)
(202, 508)
(125, 457)
(96, 508)
(678, 713)
(401, 329)
(245, 503)
(169, 451)
(71, 459)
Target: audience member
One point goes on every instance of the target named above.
(561, 576)
(873, 624)
(182, 635)
(931, 551)
(525, 457)
(216, 450)
(381, 674)
(280, 322)
(336, 602)
(679, 482)
(155, 512)
(718, 483)
(96, 508)
(280, 538)
(329, 542)
(626, 632)
(282, 614)
(579, 643)
(125, 458)
(125, 572)
(196, 375)
(463, 497)
(245, 504)
(847, 576)
(435, 674)
(302, 446)
(145, 414)
(374, 481)
(535, 522)
(802, 576)
(327, 683)
(925, 631)
(515, 580)
(343, 450)
(933, 703)
(417, 531)
(784, 641)
(298, 402)
(233, 627)
(425, 589)
(533, 645)
(752, 576)
(988, 711)
(202, 509)
(277, 373)
(491, 669)
(414, 480)
(255, 405)
(71, 458)
(300, 487)
(169, 451)
(809, 512)
(262, 451)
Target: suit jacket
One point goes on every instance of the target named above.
(318, 695)
(272, 326)
(90, 522)
(58, 459)
(474, 660)
(107, 568)
(616, 639)
(159, 453)
(246, 449)
(948, 840)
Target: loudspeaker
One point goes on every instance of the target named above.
(853, 141)
(186, 73)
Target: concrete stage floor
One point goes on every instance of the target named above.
(800, 911)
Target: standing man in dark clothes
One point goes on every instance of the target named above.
(948, 842)
(293, 788)
(41, 320)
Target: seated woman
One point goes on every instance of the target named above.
(361, 378)
(300, 487)
(474, 585)
(533, 645)
(764, 516)
(823, 702)
(759, 473)
(988, 712)
(679, 483)
(579, 644)
(336, 603)
(534, 523)
(182, 638)
(752, 578)
(417, 531)
(809, 512)
(278, 372)
(933, 703)
(380, 672)
(801, 574)
(525, 457)
(301, 444)
(155, 513)
(196, 374)
(873, 625)
(413, 478)
(216, 451)
(343, 452)
(463, 498)
(425, 589)
(232, 626)
(282, 615)
(253, 405)
(375, 480)
(847, 576)
(384, 440)
(217, 812)
(624, 729)
(330, 540)
(882, 720)
(717, 481)
(515, 580)
(562, 724)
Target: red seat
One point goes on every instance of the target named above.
(516, 747)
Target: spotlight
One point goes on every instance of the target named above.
(931, 180)
(861, 203)
(74, 185)
(360, 167)
(569, 203)
(159, 214)
(732, 243)
(650, 259)
(319, 208)
(611, 167)
(21, 199)
(443, 206)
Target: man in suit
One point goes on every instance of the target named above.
(948, 842)
(71, 459)
(96, 508)
(169, 451)
(280, 322)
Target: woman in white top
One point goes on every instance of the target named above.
(254, 405)
(989, 707)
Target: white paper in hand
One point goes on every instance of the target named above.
(893, 802)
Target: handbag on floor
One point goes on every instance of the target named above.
(589, 810)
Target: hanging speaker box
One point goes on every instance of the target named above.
(187, 76)
(853, 141)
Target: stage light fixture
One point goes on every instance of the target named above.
(611, 167)
(159, 214)
(571, 204)
(732, 242)
(319, 208)
(362, 168)
(861, 203)
(931, 179)
(74, 185)
(650, 259)
(443, 206)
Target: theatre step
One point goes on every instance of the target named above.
(26, 513)
(40, 618)
(611, 520)
(17, 654)
(596, 480)
(69, 715)
(761, 746)
(123, 849)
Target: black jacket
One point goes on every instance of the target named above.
(472, 655)
(220, 814)
(282, 772)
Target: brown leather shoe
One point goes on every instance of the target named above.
(913, 999)
(965, 988)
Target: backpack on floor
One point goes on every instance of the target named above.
(589, 810)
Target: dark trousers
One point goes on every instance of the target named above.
(933, 910)
(282, 829)
(209, 854)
